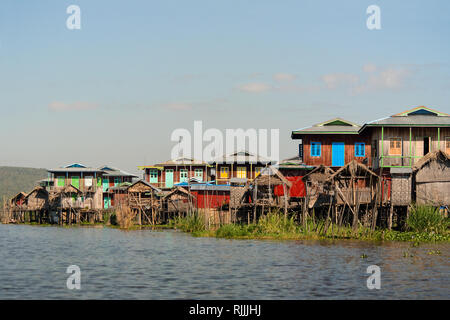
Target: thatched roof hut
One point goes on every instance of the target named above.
(142, 186)
(271, 176)
(353, 169)
(432, 179)
(66, 197)
(37, 199)
(178, 200)
(354, 183)
(142, 195)
(18, 199)
(319, 174)
(316, 186)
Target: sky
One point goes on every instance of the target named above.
(113, 91)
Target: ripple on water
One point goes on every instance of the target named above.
(173, 265)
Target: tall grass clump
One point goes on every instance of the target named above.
(233, 231)
(428, 219)
(277, 223)
(190, 223)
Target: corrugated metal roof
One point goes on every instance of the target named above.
(418, 120)
(241, 157)
(219, 187)
(115, 172)
(181, 161)
(90, 170)
(330, 126)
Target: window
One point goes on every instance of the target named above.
(61, 181)
(360, 149)
(105, 184)
(300, 150)
(447, 145)
(88, 181)
(224, 172)
(241, 172)
(153, 175)
(395, 146)
(316, 149)
(257, 171)
(76, 181)
(116, 181)
(183, 175)
(198, 173)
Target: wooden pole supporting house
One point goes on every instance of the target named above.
(285, 200)
(391, 213)
(355, 213)
(140, 211)
(255, 200)
(305, 211)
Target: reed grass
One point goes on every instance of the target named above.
(276, 226)
(426, 219)
(190, 223)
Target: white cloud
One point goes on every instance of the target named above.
(335, 80)
(178, 106)
(75, 106)
(374, 78)
(390, 78)
(255, 87)
(284, 77)
(369, 68)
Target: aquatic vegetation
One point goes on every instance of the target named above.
(276, 226)
(190, 223)
(427, 219)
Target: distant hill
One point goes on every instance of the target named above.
(16, 179)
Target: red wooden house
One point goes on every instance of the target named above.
(209, 196)
(333, 143)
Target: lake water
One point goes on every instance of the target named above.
(149, 264)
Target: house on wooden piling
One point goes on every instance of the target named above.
(68, 197)
(113, 177)
(18, 200)
(210, 196)
(333, 143)
(178, 200)
(317, 187)
(270, 189)
(399, 141)
(165, 175)
(15, 207)
(37, 203)
(87, 180)
(143, 199)
(355, 184)
(293, 169)
(37, 199)
(241, 165)
(431, 176)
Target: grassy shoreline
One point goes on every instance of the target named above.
(425, 224)
(239, 232)
(275, 226)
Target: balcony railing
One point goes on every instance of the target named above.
(390, 161)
